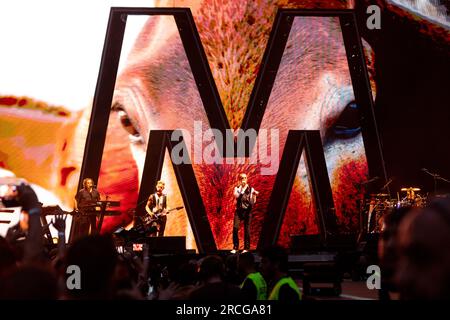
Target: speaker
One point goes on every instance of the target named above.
(306, 243)
(314, 243)
(342, 242)
(321, 278)
(166, 244)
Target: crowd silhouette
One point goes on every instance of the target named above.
(414, 255)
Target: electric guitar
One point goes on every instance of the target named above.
(147, 219)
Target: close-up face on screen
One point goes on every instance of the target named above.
(155, 90)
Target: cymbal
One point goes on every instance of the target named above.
(410, 189)
(379, 195)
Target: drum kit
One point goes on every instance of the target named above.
(379, 204)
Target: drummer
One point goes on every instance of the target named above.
(412, 198)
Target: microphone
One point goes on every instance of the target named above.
(370, 180)
(424, 169)
(388, 183)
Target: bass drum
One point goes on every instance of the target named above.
(420, 201)
(417, 202)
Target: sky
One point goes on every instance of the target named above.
(50, 50)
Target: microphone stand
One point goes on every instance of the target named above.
(436, 177)
(387, 184)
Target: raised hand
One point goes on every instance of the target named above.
(59, 222)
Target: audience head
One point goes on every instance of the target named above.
(29, 282)
(186, 274)
(387, 245)
(274, 260)
(423, 267)
(96, 257)
(211, 267)
(246, 263)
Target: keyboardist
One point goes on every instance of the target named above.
(85, 201)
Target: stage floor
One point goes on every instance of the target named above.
(351, 290)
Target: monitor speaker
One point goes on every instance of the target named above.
(166, 244)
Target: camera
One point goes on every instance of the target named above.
(9, 191)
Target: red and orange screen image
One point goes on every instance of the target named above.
(156, 91)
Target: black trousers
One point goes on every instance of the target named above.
(158, 227)
(83, 225)
(239, 216)
(162, 225)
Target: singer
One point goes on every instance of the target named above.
(246, 198)
(85, 201)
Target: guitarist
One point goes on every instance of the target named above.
(156, 208)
